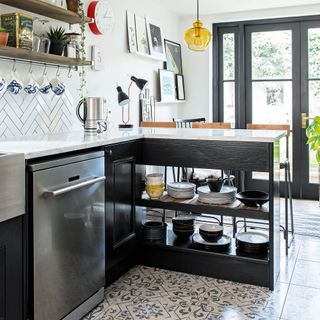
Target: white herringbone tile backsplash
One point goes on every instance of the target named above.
(25, 115)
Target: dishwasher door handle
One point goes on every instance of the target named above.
(54, 193)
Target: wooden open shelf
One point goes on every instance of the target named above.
(46, 9)
(236, 209)
(44, 58)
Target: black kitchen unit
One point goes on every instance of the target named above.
(122, 216)
(11, 270)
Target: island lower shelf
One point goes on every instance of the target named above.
(236, 209)
(180, 255)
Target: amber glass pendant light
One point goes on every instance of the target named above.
(197, 38)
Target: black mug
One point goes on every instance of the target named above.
(215, 184)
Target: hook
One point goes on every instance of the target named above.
(45, 72)
(14, 69)
(69, 73)
(58, 72)
(30, 69)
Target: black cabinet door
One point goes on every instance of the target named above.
(121, 215)
(11, 270)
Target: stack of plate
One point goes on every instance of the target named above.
(225, 196)
(220, 245)
(181, 190)
(154, 230)
(183, 227)
(252, 242)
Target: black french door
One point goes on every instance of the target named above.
(268, 72)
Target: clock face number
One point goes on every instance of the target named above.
(103, 15)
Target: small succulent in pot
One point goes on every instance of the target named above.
(4, 35)
(58, 38)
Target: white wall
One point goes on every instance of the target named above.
(197, 66)
(119, 64)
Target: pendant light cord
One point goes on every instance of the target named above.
(197, 9)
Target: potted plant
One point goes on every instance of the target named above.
(58, 40)
(73, 5)
(4, 35)
(313, 134)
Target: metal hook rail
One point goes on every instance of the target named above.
(37, 63)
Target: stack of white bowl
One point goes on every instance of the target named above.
(181, 190)
(226, 195)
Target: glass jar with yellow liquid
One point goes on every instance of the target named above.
(154, 185)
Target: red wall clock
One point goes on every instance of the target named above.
(102, 13)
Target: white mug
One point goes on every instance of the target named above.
(14, 84)
(57, 86)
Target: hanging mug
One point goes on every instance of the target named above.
(15, 85)
(3, 85)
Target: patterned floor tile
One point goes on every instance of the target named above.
(150, 293)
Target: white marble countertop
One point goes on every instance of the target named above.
(51, 144)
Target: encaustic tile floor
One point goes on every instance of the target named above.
(149, 293)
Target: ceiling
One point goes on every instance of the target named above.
(188, 7)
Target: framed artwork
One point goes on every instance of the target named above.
(142, 37)
(167, 86)
(156, 41)
(180, 87)
(132, 35)
(173, 56)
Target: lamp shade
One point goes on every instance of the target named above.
(141, 83)
(123, 98)
(197, 38)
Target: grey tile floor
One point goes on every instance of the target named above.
(149, 293)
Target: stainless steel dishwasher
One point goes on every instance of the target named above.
(68, 236)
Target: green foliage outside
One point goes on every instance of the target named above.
(313, 134)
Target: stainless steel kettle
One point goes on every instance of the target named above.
(93, 111)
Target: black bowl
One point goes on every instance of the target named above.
(153, 224)
(191, 228)
(252, 198)
(183, 221)
(210, 237)
(183, 234)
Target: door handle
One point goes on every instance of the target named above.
(304, 120)
(54, 193)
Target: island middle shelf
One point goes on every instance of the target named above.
(236, 209)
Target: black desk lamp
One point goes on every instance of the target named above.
(124, 99)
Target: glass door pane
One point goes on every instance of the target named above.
(271, 82)
(314, 92)
(228, 81)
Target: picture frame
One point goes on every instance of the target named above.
(142, 35)
(173, 56)
(167, 86)
(131, 31)
(156, 40)
(181, 95)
